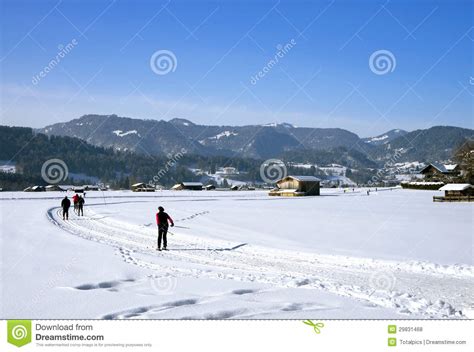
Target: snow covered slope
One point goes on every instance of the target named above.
(239, 255)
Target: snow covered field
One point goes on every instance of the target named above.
(392, 254)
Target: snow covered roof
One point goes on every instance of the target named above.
(455, 187)
(302, 178)
(67, 186)
(423, 183)
(138, 184)
(450, 167)
(441, 167)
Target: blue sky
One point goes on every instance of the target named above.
(323, 80)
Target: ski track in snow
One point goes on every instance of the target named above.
(433, 290)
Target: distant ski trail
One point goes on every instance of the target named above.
(437, 291)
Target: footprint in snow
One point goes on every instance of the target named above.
(110, 285)
(243, 292)
(105, 284)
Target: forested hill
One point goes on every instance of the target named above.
(29, 150)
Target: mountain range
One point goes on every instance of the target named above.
(159, 137)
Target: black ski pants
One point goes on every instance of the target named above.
(162, 231)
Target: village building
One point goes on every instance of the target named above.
(440, 172)
(91, 187)
(227, 170)
(58, 188)
(142, 187)
(294, 186)
(456, 192)
(190, 186)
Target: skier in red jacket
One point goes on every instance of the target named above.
(75, 200)
(162, 220)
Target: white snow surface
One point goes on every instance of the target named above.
(120, 133)
(223, 134)
(393, 254)
(376, 139)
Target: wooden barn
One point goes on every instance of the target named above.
(142, 187)
(190, 186)
(456, 192)
(294, 186)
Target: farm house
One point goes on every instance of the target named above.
(142, 187)
(294, 186)
(436, 171)
(190, 186)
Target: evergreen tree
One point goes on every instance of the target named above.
(464, 156)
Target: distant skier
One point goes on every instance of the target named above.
(80, 206)
(162, 220)
(75, 199)
(65, 204)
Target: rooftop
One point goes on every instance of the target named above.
(444, 168)
(302, 178)
(455, 187)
